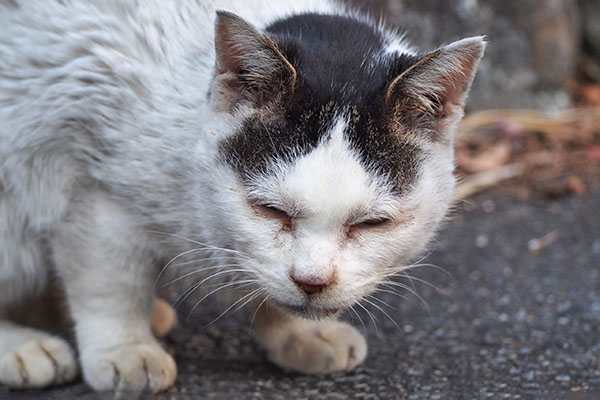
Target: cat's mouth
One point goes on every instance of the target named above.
(311, 311)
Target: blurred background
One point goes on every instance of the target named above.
(533, 115)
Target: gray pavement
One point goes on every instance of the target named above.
(503, 323)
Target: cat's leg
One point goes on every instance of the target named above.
(33, 359)
(311, 347)
(106, 267)
(164, 318)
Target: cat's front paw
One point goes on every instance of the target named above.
(130, 368)
(38, 363)
(323, 348)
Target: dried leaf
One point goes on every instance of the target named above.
(477, 182)
(490, 158)
(593, 152)
(548, 148)
(590, 94)
(576, 185)
(535, 245)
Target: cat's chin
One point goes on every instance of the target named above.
(309, 311)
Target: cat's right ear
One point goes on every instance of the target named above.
(430, 95)
(249, 66)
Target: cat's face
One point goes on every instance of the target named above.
(324, 219)
(328, 189)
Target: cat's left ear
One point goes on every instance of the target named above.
(430, 95)
(249, 66)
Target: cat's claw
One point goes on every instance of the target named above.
(324, 348)
(130, 368)
(38, 363)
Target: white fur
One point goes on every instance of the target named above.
(329, 189)
(33, 359)
(135, 85)
(107, 137)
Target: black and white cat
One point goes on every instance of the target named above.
(292, 151)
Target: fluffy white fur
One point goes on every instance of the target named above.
(107, 138)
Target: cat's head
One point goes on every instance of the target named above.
(335, 167)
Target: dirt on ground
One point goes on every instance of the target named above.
(508, 309)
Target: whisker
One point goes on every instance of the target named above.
(256, 313)
(351, 308)
(436, 267)
(400, 285)
(206, 245)
(394, 270)
(214, 291)
(370, 316)
(257, 295)
(418, 261)
(422, 281)
(220, 283)
(390, 283)
(394, 292)
(198, 260)
(196, 271)
(197, 285)
(383, 311)
(233, 305)
(170, 262)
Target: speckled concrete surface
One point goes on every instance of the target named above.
(504, 323)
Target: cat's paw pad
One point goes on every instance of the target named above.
(328, 347)
(130, 368)
(38, 363)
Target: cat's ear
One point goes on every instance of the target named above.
(249, 66)
(431, 93)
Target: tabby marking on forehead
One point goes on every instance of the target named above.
(263, 143)
(332, 78)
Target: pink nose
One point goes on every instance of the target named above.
(312, 285)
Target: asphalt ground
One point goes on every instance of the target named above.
(511, 317)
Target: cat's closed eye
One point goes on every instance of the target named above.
(378, 223)
(373, 222)
(273, 212)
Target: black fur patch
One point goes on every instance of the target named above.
(340, 69)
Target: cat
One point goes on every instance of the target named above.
(293, 153)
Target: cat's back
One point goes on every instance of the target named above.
(77, 76)
(70, 73)
(73, 73)
(64, 57)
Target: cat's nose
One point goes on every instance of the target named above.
(312, 285)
